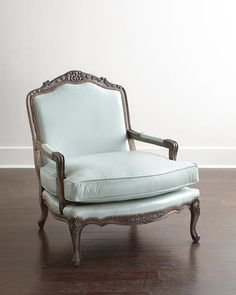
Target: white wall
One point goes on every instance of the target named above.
(176, 59)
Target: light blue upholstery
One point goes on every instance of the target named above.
(119, 176)
(88, 174)
(81, 119)
(178, 198)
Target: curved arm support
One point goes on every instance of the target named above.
(173, 147)
(166, 143)
(60, 166)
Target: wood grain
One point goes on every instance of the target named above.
(157, 258)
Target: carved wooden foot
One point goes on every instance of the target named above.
(76, 227)
(44, 215)
(195, 212)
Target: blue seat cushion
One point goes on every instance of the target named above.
(119, 176)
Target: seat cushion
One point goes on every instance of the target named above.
(119, 176)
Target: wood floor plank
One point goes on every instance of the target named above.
(157, 258)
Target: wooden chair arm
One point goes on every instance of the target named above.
(60, 167)
(166, 143)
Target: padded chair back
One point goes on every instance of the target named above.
(78, 114)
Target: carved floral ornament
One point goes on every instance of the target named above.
(141, 218)
(73, 77)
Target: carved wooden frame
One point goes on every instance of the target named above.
(76, 224)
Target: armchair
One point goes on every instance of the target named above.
(88, 169)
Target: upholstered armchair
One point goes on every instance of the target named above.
(88, 169)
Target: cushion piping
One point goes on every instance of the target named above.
(159, 192)
(131, 177)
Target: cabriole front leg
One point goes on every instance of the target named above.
(195, 212)
(76, 227)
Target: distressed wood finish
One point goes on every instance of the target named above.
(153, 259)
(44, 215)
(76, 224)
(195, 212)
(170, 144)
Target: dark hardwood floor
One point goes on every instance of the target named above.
(157, 258)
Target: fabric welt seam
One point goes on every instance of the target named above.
(131, 177)
(160, 192)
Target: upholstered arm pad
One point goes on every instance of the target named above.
(47, 148)
(47, 151)
(167, 143)
(57, 157)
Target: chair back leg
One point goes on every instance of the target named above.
(195, 213)
(44, 215)
(44, 209)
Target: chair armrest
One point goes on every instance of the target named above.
(47, 148)
(57, 157)
(166, 143)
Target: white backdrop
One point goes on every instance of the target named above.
(176, 59)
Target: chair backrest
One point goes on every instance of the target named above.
(78, 114)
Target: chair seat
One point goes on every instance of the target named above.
(119, 176)
(132, 207)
